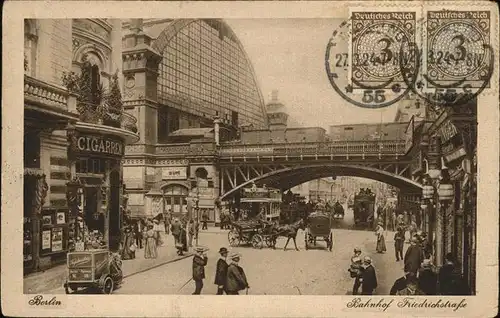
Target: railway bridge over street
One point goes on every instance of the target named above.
(285, 165)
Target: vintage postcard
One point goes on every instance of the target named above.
(318, 159)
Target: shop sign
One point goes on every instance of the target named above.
(172, 173)
(447, 131)
(409, 135)
(79, 260)
(99, 145)
(460, 152)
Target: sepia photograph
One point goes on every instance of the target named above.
(288, 156)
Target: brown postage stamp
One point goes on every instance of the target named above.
(316, 158)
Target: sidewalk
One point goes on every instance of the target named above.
(54, 278)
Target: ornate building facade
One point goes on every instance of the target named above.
(75, 132)
(184, 79)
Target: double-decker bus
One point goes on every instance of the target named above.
(261, 202)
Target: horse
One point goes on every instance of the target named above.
(290, 232)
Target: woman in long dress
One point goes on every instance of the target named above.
(128, 252)
(150, 246)
(379, 232)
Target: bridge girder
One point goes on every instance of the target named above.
(286, 176)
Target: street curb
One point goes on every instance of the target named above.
(158, 265)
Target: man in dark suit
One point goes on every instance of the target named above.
(399, 241)
(369, 278)
(221, 271)
(414, 256)
(236, 278)
(399, 284)
(200, 260)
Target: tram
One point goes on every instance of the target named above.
(262, 202)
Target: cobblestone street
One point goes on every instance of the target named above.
(273, 272)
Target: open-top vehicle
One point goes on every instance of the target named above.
(254, 232)
(319, 225)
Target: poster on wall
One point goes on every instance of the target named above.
(57, 239)
(46, 240)
(60, 218)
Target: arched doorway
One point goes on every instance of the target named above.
(175, 198)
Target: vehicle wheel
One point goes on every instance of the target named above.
(233, 238)
(68, 289)
(257, 241)
(269, 240)
(108, 285)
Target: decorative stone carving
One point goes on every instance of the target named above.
(92, 27)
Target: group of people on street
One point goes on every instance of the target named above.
(229, 278)
(363, 272)
(420, 277)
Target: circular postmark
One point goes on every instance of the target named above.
(457, 60)
(381, 53)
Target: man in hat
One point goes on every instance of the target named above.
(368, 278)
(236, 278)
(427, 278)
(176, 230)
(413, 257)
(399, 242)
(221, 271)
(200, 260)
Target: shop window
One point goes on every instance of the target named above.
(32, 150)
(91, 165)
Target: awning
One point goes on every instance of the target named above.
(251, 200)
(191, 132)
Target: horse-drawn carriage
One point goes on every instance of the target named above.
(254, 232)
(318, 226)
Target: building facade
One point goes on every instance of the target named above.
(185, 79)
(75, 132)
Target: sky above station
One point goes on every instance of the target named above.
(289, 55)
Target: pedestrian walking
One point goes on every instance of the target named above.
(175, 228)
(168, 221)
(368, 278)
(191, 232)
(449, 278)
(411, 287)
(221, 271)
(200, 260)
(399, 242)
(236, 278)
(356, 270)
(204, 219)
(128, 244)
(150, 243)
(379, 232)
(427, 278)
(414, 256)
(138, 229)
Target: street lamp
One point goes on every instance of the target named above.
(197, 207)
(437, 193)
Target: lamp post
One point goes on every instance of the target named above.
(197, 207)
(436, 194)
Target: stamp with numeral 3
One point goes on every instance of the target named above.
(457, 48)
(379, 46)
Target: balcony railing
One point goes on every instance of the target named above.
(100, 115)
(44, 93)
(335, 148)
